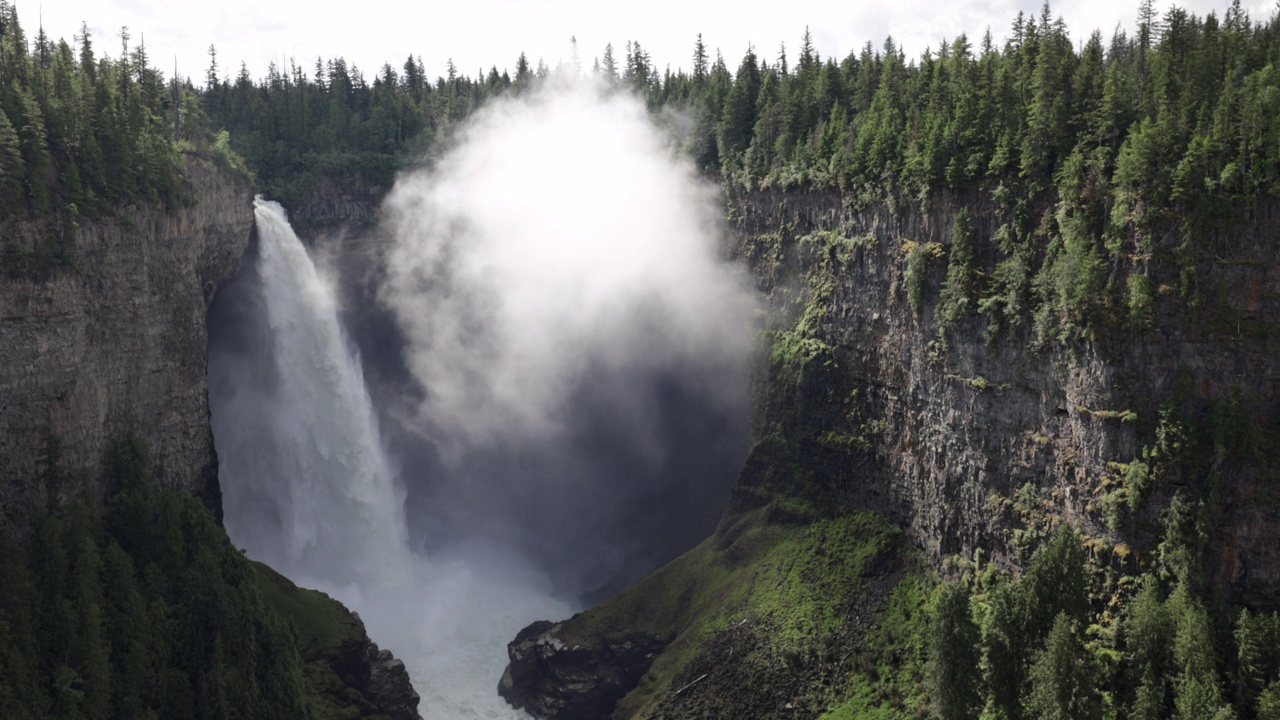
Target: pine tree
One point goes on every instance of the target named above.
(1255, 660)
(1197, 690)
(610, 66)
(89, 653)
(32, 139)
(699, 62)
(1006, 649)
(737, 124)
(12, 168)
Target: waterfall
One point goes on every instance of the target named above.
(336, 514)
(308, 489)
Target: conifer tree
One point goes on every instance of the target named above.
(954, 671)
(1061, 685)
(1197, 688)
(738, 121)
(700, 66)
(1255, 660)
(1149, 644)
(12, 167)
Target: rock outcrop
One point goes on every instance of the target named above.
(343, 203)
(347, 674)
(551, 679)
(389, 686)
(117, 343)
(373, 683)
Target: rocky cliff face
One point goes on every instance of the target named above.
(341, 204)
(981, 443)
(118, 343)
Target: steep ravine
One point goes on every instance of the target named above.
(974, 450)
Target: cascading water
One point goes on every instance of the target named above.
(308, 489)
(325, 476)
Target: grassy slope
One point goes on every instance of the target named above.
(326, 633)
(793, 607)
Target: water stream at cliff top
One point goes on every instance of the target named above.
(308, 489)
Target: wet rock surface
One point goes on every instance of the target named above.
(388, 685)
(554, 681)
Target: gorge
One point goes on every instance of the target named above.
(849, 387)
(579, 429)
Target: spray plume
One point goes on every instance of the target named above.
(558, 239)
(579, 344)
(578, 350)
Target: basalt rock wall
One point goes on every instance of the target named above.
(115, 340)
(982, 441)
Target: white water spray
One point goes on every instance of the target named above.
(308, 489)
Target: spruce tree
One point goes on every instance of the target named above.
(1061, 684)
(737, 124)
(12, 168)
(1149, 646)
(1255, 660)
(954, 673)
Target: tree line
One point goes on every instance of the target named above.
(1112, 159)
(82, 134)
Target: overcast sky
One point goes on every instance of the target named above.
(481, 33)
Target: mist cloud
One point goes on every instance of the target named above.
(559, 241)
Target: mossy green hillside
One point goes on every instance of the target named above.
(320, 623)
(805, 603)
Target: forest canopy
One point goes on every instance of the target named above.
(1178, 114)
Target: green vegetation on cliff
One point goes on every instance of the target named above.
(1073, 637)
(796, 607)
(144, 610)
